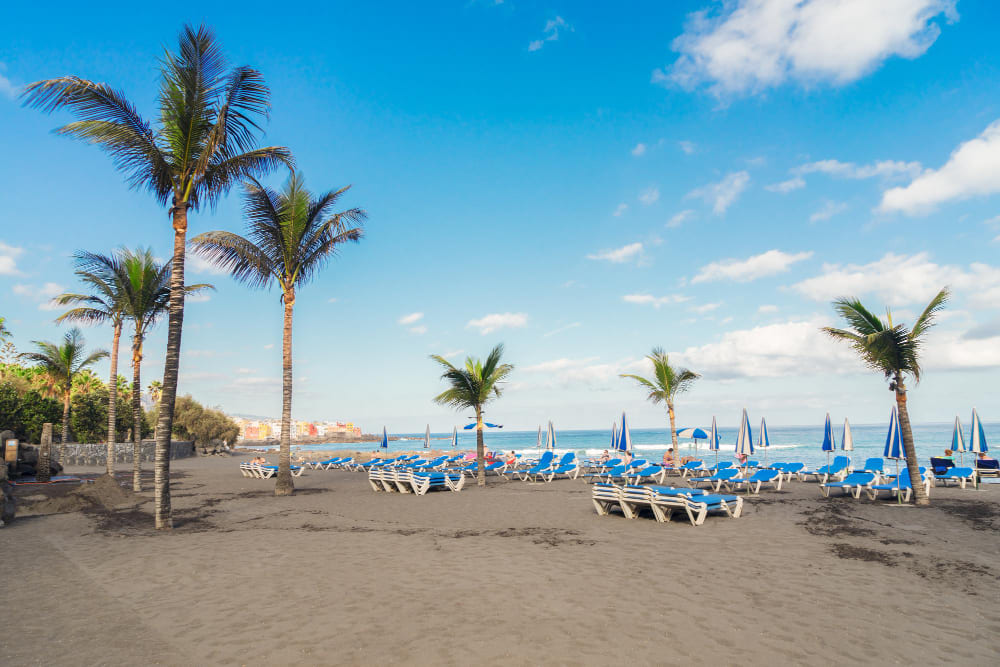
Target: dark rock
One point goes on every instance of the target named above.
(8, 506)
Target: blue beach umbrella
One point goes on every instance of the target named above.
(894, 446)
(693, 433)
(550, 437)
(471, 426)
(829, 444)
(958, 440)
(624, 443)
(385, 439)
(614, 435)
(977, 436)
(764, 440)
(713, 439)
(744, 438)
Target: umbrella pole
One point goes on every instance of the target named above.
(899, 489)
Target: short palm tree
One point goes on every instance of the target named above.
(101, 304)
(290, 237)
(155, 388)
(894, 351)
(62, 363)
(205, 142)
(145, 298)
(474, 386)
(667, 382)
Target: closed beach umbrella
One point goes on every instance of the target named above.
(958, 440)
(427, 437)
(829, 444)
(894, 447)
(713, 439)
(977, 436)
(624, 437)
(744, 438)
(538, 440)
(614, 435)
(550, 437)
(385, 439)
(847, 439)
(764, 441)
(454, 437)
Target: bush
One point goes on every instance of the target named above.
(88, 416)
(206, 427)
(24, 413)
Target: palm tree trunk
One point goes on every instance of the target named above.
(175, 326)
(42, 470)
(673, 428)
(136, 414)
(480, 448)
(284, 486)
(912, 464)
(113, 401)
(65, 422)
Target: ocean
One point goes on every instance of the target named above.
(788, 443)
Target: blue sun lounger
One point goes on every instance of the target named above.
(853, 484)
(754, 481)
(961, 475)
(652, 472)
(900, 487)
(567, 466)
(836, 469)
(665, 501)
(715, 480)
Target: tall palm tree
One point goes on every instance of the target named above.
(667, 382)
(62, 363)
(100, 305)
(474, 386)
(146, 297)
(290, 236)
(894, 351)
(205, 142)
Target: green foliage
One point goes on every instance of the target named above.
(474, 385)
(24, 412)
(205, 426)
(62, 362)
(667, 381)
(88, 417)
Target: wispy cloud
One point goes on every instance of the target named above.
(721, 195)
(551, 32)
(689, 147)
(8, 259)
(494, 321)
(650, 195)
(198, 264)
(7, 87)
(621, 255)
(745, 270)
(767, 308)
(418, 330)
(655, 301)
(881, 169)
(620, 210)
(411, 318)
(640, 149)
(829, 209)
(42, 294)
(561, 329)
(705, 308)
(679, 219)
(784, 187)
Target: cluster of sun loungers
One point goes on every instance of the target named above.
(663, 501)
(263, 471)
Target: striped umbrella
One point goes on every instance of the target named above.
(744, 439)
(829, 444)
(385, 439)
(977, 436)
(693, 433)
(427, 437)
(894, 447)
(958, 441)
(614, 435)
(454, 437)
(713, 439)
(624, 443)
(550, 437)
(764, 441)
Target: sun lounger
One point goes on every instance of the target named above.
(715, 480)
(721, 465)
(853, 484)
(754, 481)
(605, 496)
(422, 482)
(874, 465)
(962, 476)
(988, 467)
(664, 501)
(822, 474)
(940, 465)
(567, 466)
(607, 475)
(652, 472)
(690, 468)
(900, 487)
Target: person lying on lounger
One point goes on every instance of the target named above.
(605, 456)
(259, 460)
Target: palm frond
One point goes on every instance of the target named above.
(859, 317)
(244, 261)
(928, 317)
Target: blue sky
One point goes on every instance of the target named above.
(579, 181)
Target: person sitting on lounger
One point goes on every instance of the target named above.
(982, 457)
(669, 460)
(604, 457)
(259, 460)
(512, 459)
(947, 455)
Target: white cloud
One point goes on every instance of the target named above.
(655, 301)
(626, 253)
(706, 308)
(7, 88)
(551, 32)
(973, 169)
(195, 263)
(8, 259)
(784, 187)
(767, 308)
(332, 299)
(418, 330)
(900, 280)
(269, 346)
(452, 353)
(829, 209)
(951, 351)
(43, 294)
(640, 149)
(722, 194)
(751, 45)
(199, 297)
(688, 147)
(679, 218)
(650, 195)
(744, 270)
(411, 318)
(620, 211)
(881, 169)
(793, 348)
(561, 329)
(584, 371)
(494, 321)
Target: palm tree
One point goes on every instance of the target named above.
(204, 144)
(894, 351)
(101, 305)
(668, 381)
(62, 363)
(155, 388)
(474, 386)
(290, 236)
(4, 331)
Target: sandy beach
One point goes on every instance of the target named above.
(514, 573)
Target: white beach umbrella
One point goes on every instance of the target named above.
(958, 441)
(427, 437)
(977, 436)
(550, 437)
(713, 439)
(744, 438)
(454, 437)
(847, 439)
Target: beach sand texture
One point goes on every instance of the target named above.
(514, 574)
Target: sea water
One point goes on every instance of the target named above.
(788, 443)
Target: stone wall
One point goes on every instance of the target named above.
(96, 455)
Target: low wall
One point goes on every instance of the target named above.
(97, 454)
